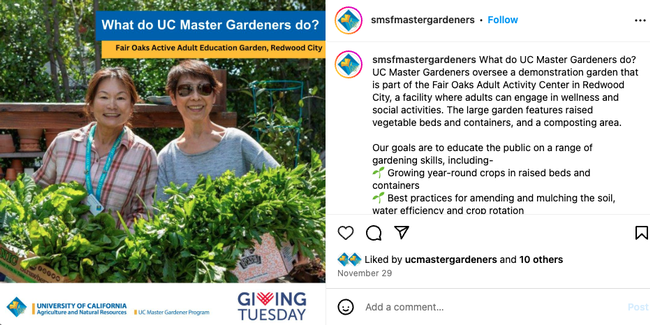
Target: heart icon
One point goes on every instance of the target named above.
(346, 232)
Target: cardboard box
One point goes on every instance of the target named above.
(10, 258)
(265, 261)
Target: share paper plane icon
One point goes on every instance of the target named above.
(402, 231)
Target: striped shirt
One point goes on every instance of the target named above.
(132, 174)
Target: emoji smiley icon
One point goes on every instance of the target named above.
(346, 307)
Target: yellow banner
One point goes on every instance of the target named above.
(213, 49)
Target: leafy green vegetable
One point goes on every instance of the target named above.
(49, 222)
(200, 233)
(195, 236)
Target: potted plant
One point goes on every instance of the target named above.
(30, 139)
(50, 134)
(11, 174)
(17, 164)
(6, 143)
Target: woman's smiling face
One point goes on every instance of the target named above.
(193, 106)
(112, 106)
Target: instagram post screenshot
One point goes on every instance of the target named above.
(169, 161)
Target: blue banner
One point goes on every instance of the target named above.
(210, 25)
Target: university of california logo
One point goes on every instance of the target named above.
(354, 259)
(16, 307)
(348, 20)
(348, 64)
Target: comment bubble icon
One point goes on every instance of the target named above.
(373, 233)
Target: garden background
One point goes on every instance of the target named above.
(48, 54)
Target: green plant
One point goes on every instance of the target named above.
(278, 135)
(48, 222)
(378, 197)
(278, 132)
(163, 249)
(159, 137)
(196, 236)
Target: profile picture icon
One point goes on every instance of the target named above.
(348, 64)
(348, 20)
(343, 259)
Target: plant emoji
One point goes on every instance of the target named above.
(378, 171)
(379, 196)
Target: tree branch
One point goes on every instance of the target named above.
(59, 56)
(53, 70)
(98, 54)
(80, 49)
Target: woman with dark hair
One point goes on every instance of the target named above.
(204, 148)
(118, 168)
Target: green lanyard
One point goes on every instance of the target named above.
(107, 166)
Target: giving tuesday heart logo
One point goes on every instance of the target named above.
(265, 298)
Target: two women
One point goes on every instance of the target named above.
(120, 169)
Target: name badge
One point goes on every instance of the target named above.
(95, 207)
